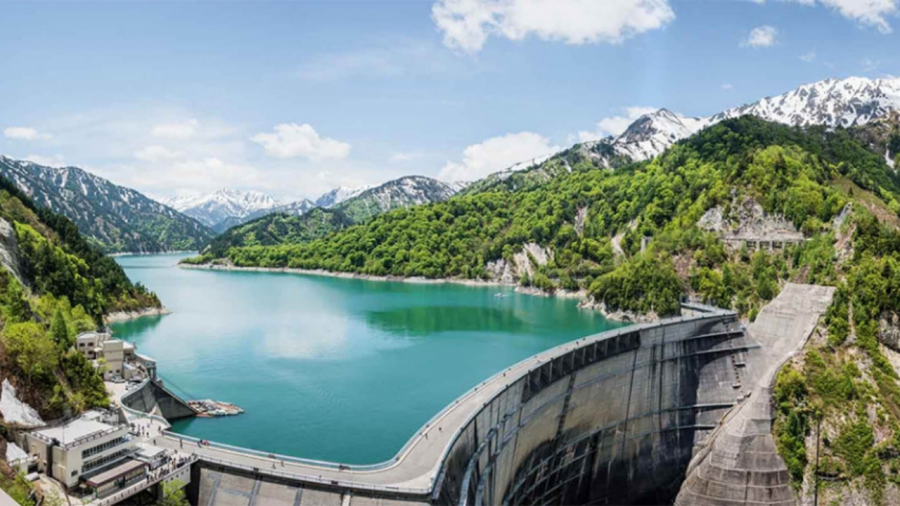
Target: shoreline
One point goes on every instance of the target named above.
(121, 316)
(527, 290)
(148, 253)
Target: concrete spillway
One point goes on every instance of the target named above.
(615, 418)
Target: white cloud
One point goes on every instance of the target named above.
(869, 64)
(177, 131)
(467, 24)
(615, 125)
(727, 86)
(48, 161)
(156, 153)
(497, 153)
(808, 57)
(24, 134)
(761, 36)
(291, 140)
(866, 12)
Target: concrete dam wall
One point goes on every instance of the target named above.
(153, 398)
(614, 421)
(622, 417)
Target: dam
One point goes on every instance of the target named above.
(649, 414)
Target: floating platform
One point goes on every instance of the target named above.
(209, 408)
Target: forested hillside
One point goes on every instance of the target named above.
(53, 285)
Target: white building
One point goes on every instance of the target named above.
(115, 353)
(93, 448)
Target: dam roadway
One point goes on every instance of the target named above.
(614, 418)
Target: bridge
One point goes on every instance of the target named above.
(620, 417)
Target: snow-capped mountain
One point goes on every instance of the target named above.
(404, 192)
(223, 205)
(297, 208)
(338, 195)
(832, 102)
(114, 217)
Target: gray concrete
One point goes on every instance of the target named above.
(153, 398)
(739, 464)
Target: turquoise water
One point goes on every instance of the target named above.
(334, 369)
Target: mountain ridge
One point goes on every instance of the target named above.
(116, 218)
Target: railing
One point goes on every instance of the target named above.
(143, 485)
(318, 479)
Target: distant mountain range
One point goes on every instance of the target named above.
(296, 225)
(116, 218)
(833, 102)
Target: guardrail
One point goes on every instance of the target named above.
(317, 479)
(141, 486)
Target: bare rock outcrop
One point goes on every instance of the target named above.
(9, 249)
(889, 330)
(748, 221)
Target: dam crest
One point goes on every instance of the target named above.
(674, 411)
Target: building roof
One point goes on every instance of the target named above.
(78, 429)
(114, 473)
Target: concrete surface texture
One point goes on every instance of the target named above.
(153, 397)
(739, 465)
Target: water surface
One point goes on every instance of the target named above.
(334, 369)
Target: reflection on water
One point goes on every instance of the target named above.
(422, 321)
(334, 369)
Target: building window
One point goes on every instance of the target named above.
(102, 446)
(75, 472)
(105, 460)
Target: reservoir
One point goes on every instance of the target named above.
(335, 369)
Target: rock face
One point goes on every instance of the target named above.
(16, 412)
(506, 272)
(9, 249)
(748, 221)
(889, 330)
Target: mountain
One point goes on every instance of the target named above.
(297, 208)
(404, 192)
(298, 223)
(833, 103)
(223, 208)
(338, 195)
(116, 218)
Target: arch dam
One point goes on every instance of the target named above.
(677, 411)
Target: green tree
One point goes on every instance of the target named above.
(173, 494)
(33, 351)
(59, 331)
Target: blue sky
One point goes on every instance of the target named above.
(296, 97)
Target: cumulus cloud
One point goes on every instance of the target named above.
(177, 131)
(24, 134)
(615, 125)
(466, 24)
(761, 36)
(291, 140)
(866, 12)
(497, 153)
